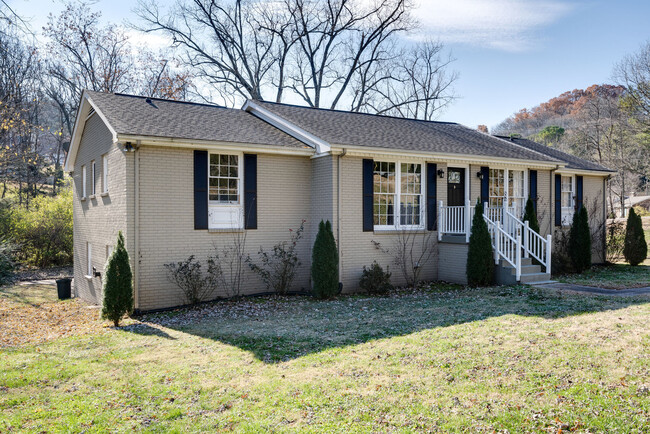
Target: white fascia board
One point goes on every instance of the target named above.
(320, 145)
(367, 151)
(172, 142)
(80, 122)
(568, 171)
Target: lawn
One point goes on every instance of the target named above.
(445, 359)
(614, 276)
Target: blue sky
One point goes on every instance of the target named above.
(510, 54)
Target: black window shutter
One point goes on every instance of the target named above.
(432, 195)
(367, 195)
(250, 191)
(485, 184)
(532, 187)
(578, 193)
(200, 189)
(558, 200)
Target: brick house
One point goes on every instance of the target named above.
(182, 179)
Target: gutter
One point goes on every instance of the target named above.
(136, 226)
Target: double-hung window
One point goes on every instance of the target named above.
(93, 173)
(567, 197)
(397, 195)
(105, 173)
(83, 182)
(224, 191)
(506, 185)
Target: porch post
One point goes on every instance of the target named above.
(497, 242)
(518, 257)
(468, 224)
(549, 238)
(526, 239)
(441, 216)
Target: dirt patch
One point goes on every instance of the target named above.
(31, 314)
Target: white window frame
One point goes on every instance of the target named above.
(83, 182)
(93, 173)
(506, 189)
(567, 211)
(89, 259)
(105, 173)
(227, 215)
(397, 202)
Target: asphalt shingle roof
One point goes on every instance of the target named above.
(572, 162)
(133, 115)
(358, 129)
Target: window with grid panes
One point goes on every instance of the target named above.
(224, 179)
(388, 193)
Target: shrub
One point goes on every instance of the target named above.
(480, 259)
(118, 284)
(531, 215)
(615, 240)
(43, 233)
(580, 241)
(374, 280)
(325, 263)
(560, 258)
(636, 248)
(6, 262)
(278, 268)
(189, 277)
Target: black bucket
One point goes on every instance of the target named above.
(63, 287)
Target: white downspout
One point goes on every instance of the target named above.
(338, 210)
(136, 226)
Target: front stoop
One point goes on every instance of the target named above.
(505, 274)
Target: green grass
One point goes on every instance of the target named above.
(614, 276)
(32, 294)
(515, 359)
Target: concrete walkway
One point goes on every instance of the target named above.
(593, 290)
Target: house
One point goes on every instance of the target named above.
(181, 179)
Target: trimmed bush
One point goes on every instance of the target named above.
(636, 248)
(118, 284)
(531, 215)
(325, 263)
(189, 277)
(480, 258)
(580, 241)
(374, 280)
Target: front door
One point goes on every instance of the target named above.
(455, 186)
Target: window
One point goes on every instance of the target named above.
(224, 178)
(109, 251)
(93, 171)
(89, 257)
(105, 173)
(388, 192)
(509, 185)
(568, 207)
(516, 191)
(225, 209)
(83, 182)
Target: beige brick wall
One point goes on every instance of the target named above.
(357, 248)
(98, 220)
(452, 264)
(167, 219)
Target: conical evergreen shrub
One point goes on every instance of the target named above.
(636, 248)
(325, 263)
(531, 215)
(580, 241)
(480, 258)
(118, 284)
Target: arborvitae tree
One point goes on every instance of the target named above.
(531, 215)
(325, 263)
(480, 259)
(636, 248)
(118, 284)
(580, 241)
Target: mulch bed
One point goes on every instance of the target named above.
(25, 324)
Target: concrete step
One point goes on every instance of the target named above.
(526, 269)
(524, 261)
(535, 277)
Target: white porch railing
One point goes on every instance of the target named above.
(512, 238)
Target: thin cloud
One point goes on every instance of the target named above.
(509, 25)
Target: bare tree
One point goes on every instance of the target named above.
(633, 72)
(411, 251)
